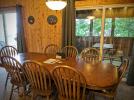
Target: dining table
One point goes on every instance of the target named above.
(98, 75)
(105, 46)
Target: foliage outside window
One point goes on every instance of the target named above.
(123, 27)
(97, 27)
(82, 27)
(108, 27)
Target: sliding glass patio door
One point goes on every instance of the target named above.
(8, 28)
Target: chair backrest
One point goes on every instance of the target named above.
(70, 51)
(123, 69)
(70, 83)
(51, 49)
(90, 55)
(8, 51)
(37, 75)
(121, 73)
(13, 67)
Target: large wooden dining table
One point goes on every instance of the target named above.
(98, 76)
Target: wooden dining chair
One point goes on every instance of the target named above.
(111, 93)
(70, 51)
(8, 51)
(70, 83)
(14, 69)
(90, 55)
(39, 78)
(51, 49)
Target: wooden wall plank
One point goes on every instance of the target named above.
(87, 3)
(39, 34)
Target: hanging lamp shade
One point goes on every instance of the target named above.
(91, 17)
(56, 4)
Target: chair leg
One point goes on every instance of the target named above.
(111, 98)
(11, 92)
(92, 96)
(47, 97)
(6, 80)
(25, 90)
(33, 96)
(20, 93)
(18, 89)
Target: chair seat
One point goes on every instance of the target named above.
(116, 63)
(18, 83)
(42, 92)
(65, 98)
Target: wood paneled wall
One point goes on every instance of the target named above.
(87, 3)
(40, 34)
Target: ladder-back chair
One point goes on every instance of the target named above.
(39, 78)
(90, 55)
(70, 51)
(14, 69)
(111, 93)
(51, 49)
(8, 51)
(70, 83)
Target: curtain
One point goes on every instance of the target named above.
(20, 31)
(68, 19)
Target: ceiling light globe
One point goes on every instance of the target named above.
(56, 5)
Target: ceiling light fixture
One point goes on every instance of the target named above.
(56, 4)
(91, 17)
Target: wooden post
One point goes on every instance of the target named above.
(91, 33)
(112, 31)
(102, 33)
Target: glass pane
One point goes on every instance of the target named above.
(108, 27)
(88, 28)
(97, 27)
(119, 22)
(11, 29)
(82, 27)
(2, 37)
(124, 27)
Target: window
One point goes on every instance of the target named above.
(108, 27)
(119, 22)
(8, 28)
(82, 27)
(2, 35)
(96, 27)
(124, 27)
(11, 30)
